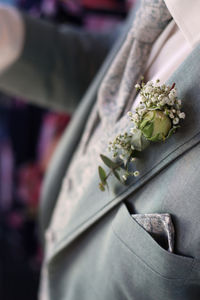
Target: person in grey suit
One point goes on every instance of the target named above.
(96, 244)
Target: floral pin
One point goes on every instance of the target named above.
(155, 119)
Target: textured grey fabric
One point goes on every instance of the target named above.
(160, 227)
(117, 89)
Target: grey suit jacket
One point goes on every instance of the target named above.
(103, 253)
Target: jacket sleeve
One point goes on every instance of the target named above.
(56, 65)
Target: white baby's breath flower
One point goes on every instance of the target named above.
(175, 121)
(171, 115)
(179, 102)
(140, 112)
(170, 102)
(162, 102)
(165, 99)
(133, 130)
(135, 118)
(137, 86)
(171, 96)
(124, 177)
(136, 173)
(154, 99)
(148, 89)
(182, 115)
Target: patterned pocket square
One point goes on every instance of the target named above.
(159, 226)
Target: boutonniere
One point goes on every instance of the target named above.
(155, 119)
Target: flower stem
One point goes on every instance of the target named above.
(113, 169)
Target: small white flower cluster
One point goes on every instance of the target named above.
(122, 149)
(157, 97)
(121, 146)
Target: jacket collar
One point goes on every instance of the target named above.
(153, 160)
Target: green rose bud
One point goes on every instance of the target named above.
(155, 126)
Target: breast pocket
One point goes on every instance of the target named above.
(156, 273)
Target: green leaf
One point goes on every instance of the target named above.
(108, 162)
(101, 187)
(116, 174)
(172, 131)
(102, 174)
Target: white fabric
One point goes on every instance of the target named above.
(166, 57)
(186, 14)
(11, 36)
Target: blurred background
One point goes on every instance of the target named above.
(28, 137)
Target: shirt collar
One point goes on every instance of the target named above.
(186, 15)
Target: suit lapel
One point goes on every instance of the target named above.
(95, 204)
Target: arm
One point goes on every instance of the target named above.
(55, 64)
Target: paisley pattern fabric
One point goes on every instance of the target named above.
(118, 88)
(160, 227)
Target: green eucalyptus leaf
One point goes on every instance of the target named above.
(139, 141)
(102, 174)
(108, 162)
(101, 187)
(172, 131)
(116, 174)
